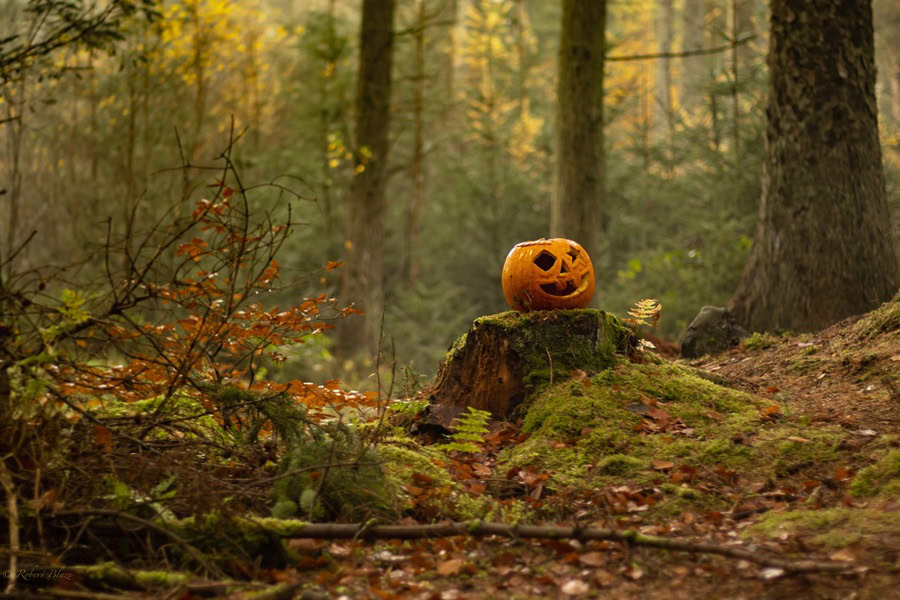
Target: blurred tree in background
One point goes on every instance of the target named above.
(471, 146)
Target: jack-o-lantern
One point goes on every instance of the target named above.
(547, 274)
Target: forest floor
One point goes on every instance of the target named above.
(846, 376)
(836, 392)
(841, 376)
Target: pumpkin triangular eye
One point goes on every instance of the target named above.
(545, 260)
(574, 254)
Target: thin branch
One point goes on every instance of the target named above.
(684, 54)
(630, 537)
(115, 514)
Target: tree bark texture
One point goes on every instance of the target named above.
(363, 278)
(577, 204)
(823, 248)
(504, 357)
(665, 125)
(694, 69)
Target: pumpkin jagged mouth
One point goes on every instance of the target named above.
(551, 290)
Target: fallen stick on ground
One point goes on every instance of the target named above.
(478, 528)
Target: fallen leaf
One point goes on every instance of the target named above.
(771, 573)
(717, 416)
(634, 573)
(450, 567)
(422, 478)
(843, 555)
(593, 559)
(413, 490)
(661, 465)
(575, 587)
(772, 389)
(795, 438)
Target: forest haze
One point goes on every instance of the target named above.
(97, 137)
(239, 239)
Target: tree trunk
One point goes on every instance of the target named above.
(694, 69)
(576, 209)
(363, 278)
(503, 358)
(665, 126)
(823, 248)
(417, 198)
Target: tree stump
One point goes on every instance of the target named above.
(504, 358)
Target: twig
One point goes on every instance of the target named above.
(631, 537)
(115, 514)
(12, 510)
(685, 54)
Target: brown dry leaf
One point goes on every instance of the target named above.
(481, 470)
(103, 437)
(413, 490)
(896, 358)
(717, 416)
(662, 465)
(844, 555)
(579, 375)
(634, 573)
(339, 550)
(795, 438)
(304, 546)
(422, 478)
(575, 587)
(593, 559)
(450, 567)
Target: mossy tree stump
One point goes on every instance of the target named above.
(503, 358)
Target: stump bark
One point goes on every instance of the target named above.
(499, 363)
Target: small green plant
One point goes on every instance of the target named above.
(408, 408)
(760, 341)
(469, 432)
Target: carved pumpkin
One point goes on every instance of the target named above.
(548, 274)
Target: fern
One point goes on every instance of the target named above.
(644, 312)
(469, 432)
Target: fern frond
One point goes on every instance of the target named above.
(645, 312)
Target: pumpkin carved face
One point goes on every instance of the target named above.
(548, 274)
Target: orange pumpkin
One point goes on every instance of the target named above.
(548, 274)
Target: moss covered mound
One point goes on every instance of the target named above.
(658, 425)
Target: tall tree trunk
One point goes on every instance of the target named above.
(736, 17)
(576, 209)
(417, 198)
(694, 69)
(665, 123)
(363, 278)
(823, 248)
(325, 119)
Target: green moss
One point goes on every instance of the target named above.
(110, 573)
(760, 341)
(831, 528)
(403, 456)
(619, 464)
(599, 426)
(884, 319)
(806, 364)
(879, 479)
(551, 344)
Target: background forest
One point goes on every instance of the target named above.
(94, 142)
